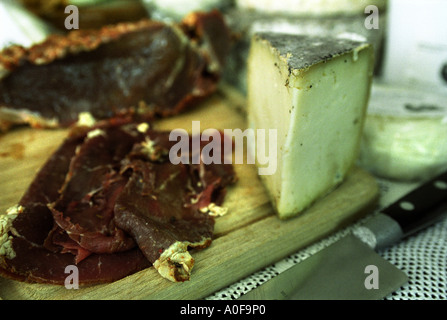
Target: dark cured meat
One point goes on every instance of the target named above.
(36, 264)
(163, 218)
(140, 69)
(85, 207)
(121, 218)
(152, 209)
(33, 262)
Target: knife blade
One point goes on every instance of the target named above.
(350, 268)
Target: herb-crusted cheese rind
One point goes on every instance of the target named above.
(314, 92)
(302, 52)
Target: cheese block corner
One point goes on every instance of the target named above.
(313, 92)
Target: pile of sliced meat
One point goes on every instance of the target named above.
(110, 202)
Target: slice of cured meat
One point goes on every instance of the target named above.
(24, 232)
(110, 202)
(143, 69)
(85, 209)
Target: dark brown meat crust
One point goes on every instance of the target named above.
(143, 69)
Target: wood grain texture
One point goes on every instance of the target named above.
(247, 239)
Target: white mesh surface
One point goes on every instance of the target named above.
(423, 257)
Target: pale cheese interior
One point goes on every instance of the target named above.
(318, 113)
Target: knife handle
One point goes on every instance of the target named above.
(421, 207)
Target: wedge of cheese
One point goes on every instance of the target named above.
(245, 23)
(314, 92)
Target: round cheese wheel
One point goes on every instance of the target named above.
(405, 133)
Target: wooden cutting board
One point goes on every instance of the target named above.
(249, 238)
